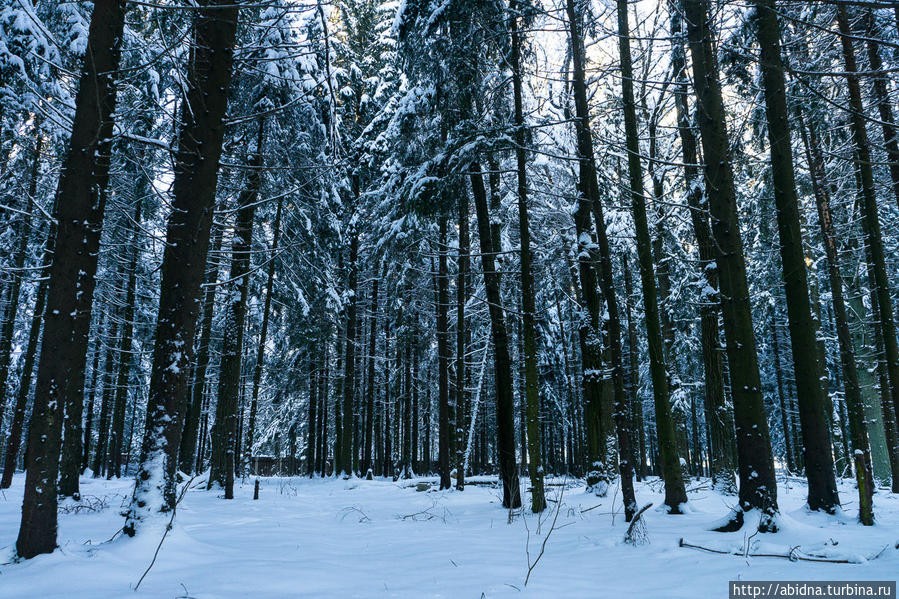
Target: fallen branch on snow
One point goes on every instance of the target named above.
(794, 555)
(636, 531)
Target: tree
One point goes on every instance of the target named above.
(528, 304)
(225, 433)
(81, 201)
(822, 486)
(670, 461)
(187, 242)
(758, 488)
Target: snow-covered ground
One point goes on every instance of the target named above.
(356, 538)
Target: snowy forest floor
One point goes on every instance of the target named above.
(357, 538)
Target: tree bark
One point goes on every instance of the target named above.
(758, 487)
(184, 260)
(587, 262)
(14, 439)
(675, 493)
(528, 303)
(367, 463)
(81, 204)
(443, 359)
(819, 468)
(458, 419)
(721, 459)
(502, 363)
(187, 454)
(349, 381)
(852, 387)
(870, 220)
(263, 335)
(225, 432)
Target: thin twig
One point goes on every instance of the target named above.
(546, 538)
(168, 527)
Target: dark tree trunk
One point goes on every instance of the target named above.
(263, 336)
(406, 317)
(530, 394)
(675, 493)
(387, 463)
(225, 432)
(822, 486)
(443, 359)
(100, 456)
(87, 436)
(634, 372)
(14, 440)
(311, 430)
(184, 260)
(17, 265)
(758, 487)
(881, 86)
(458, 410)
(416, 422)
(721, 459)
(589, 328)
(505, 403)
(367, 463)
(784, 412)
(852, 388)
(349, 381)
(323, 413)
(870, 220)
(81, 194)
(117, 432)
(187, 454)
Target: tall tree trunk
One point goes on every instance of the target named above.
(784, 412)
(822, 486)
(406, 317)
(117, 432)
(263, 335)
(634, 373)
(323, 418)
(14, 439)
(225, 432)
(870, 220)
(502, 363)
(311, 430)
(852, 387)
(88, 433)
(100, 456)
(367, 463)
(758, 487)
(881, 86)
(184, 260)
(721, 459)
(587, 261)
(416, 422)
(443, 359)
(458, 425)
(18, 274)
(81, 204)
(349, 380)
(528, 304)
(675, 493)
(187, 454)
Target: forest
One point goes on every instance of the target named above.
(323, 298)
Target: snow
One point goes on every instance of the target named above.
(357, 538)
